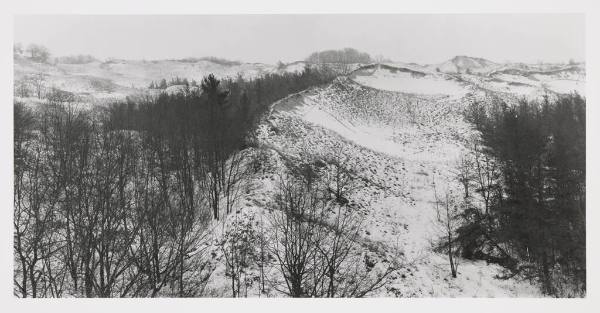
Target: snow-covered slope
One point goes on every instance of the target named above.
(407, 80)
(456, 77)
(404, 129)
(400, 144)
(525, 80)
(118, 78)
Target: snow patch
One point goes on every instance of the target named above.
(408, 82)
(566, 86)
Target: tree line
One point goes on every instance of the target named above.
(523, 195)
(163, 84)
(34, 52)
(344, 56)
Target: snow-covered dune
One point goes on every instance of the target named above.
(566, 86)
(402, 151)
(408, 81)
(124, 77)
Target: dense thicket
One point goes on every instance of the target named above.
(253, 96)
(177, 81)
(345, 56)
(76, 59)
(99, 212)
(530, 172)
(115, 202)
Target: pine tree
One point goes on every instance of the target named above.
(163, 84)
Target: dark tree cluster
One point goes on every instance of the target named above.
(177, 81)
(118, 201)
(346, 55)
(76, 59)
(261, 92)
(530, 174)
(101, 212)
(37, 53)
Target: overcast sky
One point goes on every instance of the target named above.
(269, 38)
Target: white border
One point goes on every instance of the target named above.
(11, 304)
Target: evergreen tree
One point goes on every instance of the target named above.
(163, 84)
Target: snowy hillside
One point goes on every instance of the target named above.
(506, 80)
(456, 77)
(403, 130)
(406, 80)
(118, 78)
(524, 80)
(400, 145)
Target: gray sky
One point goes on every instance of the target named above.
(269, 38)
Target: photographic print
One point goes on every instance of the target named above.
(299, 155)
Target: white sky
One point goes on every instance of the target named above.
(268, 38)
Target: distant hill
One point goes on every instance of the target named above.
(114, 78)
(118, 78)
(465, 64)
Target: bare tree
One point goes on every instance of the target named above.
(341, 179)
(38, 81)
(177, 223)
(436, 202)
(235, 178)
(35, 212)
(68, 139)
(38, 53)
(156, 254)
(342, 235)
(448, 222)
(34, 220)
(487, 174)
(296, 236)
(22, 87)
(465, 173)
(261, 256)
(239, 248)
(314, 241)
